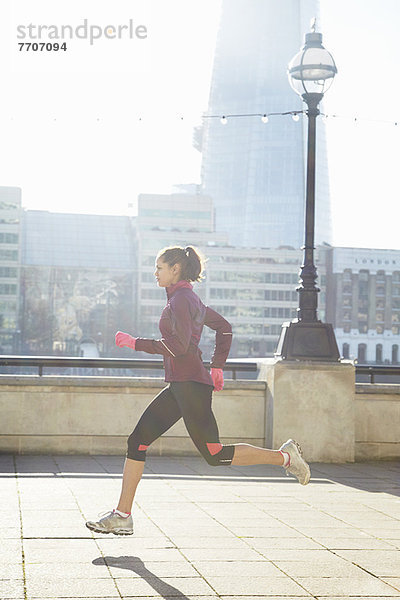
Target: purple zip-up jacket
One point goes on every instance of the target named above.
(181, 325)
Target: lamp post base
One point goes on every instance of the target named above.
(307, 341)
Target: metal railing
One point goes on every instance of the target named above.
(107, 364)
(131, 364)
(382, 371)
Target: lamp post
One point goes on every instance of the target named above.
(310, 73)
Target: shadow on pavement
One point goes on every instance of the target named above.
(136, 565)
(376, 477)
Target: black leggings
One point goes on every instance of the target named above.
(192, 401)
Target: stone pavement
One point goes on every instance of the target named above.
(201, 532)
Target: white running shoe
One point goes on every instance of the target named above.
(297, 465)
(112, 523)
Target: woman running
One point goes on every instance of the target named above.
(188, 394)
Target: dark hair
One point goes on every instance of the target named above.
(190, 259)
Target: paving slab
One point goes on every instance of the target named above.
(261, 568)
(346, 597)
(80, 570)
(167, 586)
(67, 587)
(347, 586)
(280, 554)
(220, 554)
(229, 542)
(115, 544)
(11, 570)
(320, 569)
(12, 589)
(132, 566)
(354, 543)
(147, 554)
(302, 543)
(268, 586)
(269, 597)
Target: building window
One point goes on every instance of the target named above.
(363, 285)
(248, 329)
(362, 353)
(271, 346)
(277, 312)
(286, 295)
(378, 354)
(379, 329)
(148, 260)
(8, 238)
(223, 293)
(154, 294)
(395, 354)
(396, 330)
(380, 277)
(347, 275)
(147, 277)
(380, 290)
(272, 329)
(346, 350)
(8, 272)
(8, 254)
(8, 289)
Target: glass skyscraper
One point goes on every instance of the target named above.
(255, 171)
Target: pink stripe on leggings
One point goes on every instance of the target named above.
(214, 448)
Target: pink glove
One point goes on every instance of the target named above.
(217, 376)
(124, 339)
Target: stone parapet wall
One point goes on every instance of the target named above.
(377, 421)
(94, 415)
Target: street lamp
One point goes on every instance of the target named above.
(310, 73)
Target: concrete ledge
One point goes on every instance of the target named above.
(107, 445)
(92, 415)
(110, 382)
(377, 423)
(378, 389)
(377, 451)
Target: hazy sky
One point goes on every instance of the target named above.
(90, 128)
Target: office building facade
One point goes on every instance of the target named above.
(255, 171)
(77, 280)
(10, 257)
(364, 303)
(254, 288)
(68, 282)
(168, 220)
